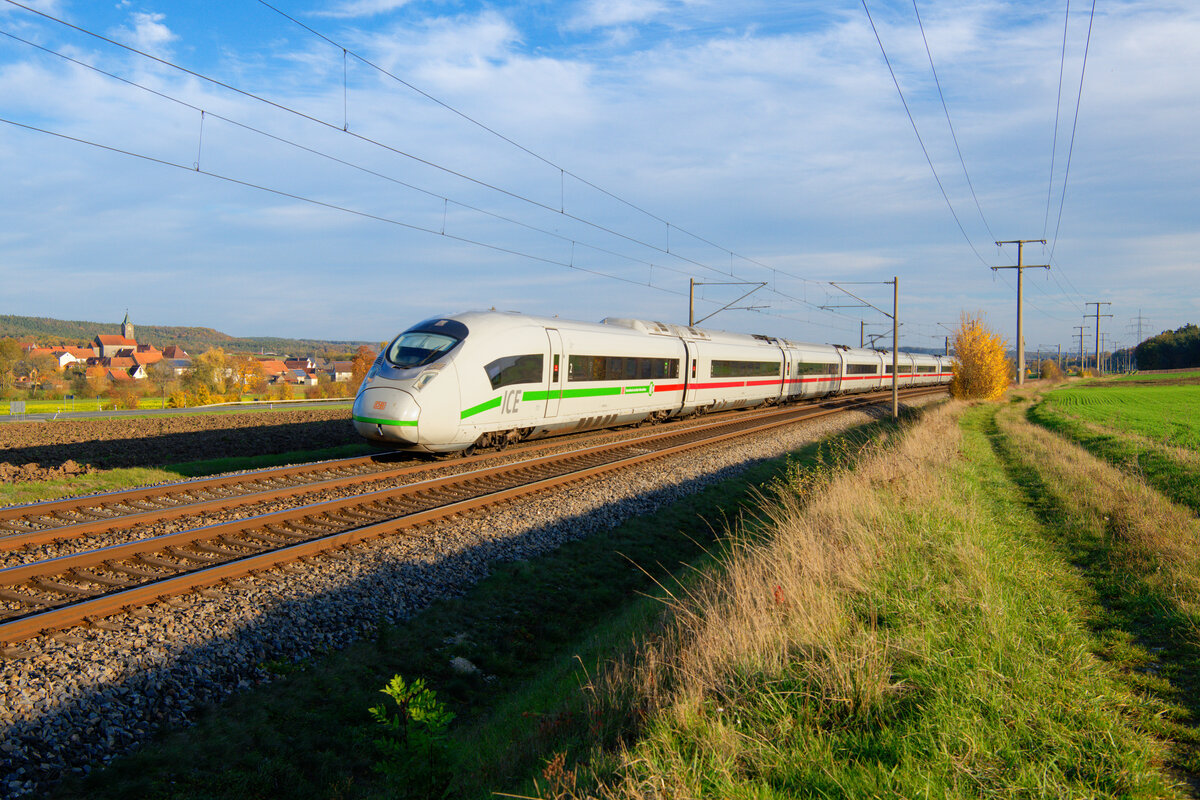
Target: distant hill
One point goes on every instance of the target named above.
(47, 332)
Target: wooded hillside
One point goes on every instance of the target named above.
(47, 332)
(1178, 349)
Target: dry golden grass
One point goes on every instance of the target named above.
(1155, 537)
(1183, 455)
(782, 601)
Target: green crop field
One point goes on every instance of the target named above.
(1167, 411)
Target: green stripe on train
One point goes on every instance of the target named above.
(473, 410)
(404, 423)
(556, 394)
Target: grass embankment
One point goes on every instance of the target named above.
(909, 632)
(1152, 431)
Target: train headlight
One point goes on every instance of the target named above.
(424, 378)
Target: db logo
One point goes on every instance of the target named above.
(380, 405)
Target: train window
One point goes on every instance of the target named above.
(515, 369)
(807, 368)
(417, 348)
(745, 369)
(926, 368)
(555, 368)
(905, 369)
(620, 368)
(863, 369)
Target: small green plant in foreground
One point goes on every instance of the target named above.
(414, 741)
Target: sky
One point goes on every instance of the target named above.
(342, 169)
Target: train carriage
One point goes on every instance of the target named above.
(811, 370)
(862, 370)
(491, 378)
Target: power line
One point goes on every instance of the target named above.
(1057, 109)
(913, 122)
(1074, 125)
(949, 124)
(563, 171)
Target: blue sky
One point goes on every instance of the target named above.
(587, 158)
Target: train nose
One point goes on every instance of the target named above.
(387, 415)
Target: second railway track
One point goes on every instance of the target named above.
(43, 596)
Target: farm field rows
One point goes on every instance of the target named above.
(1166, 410)
(1147, 425)
(971, 606)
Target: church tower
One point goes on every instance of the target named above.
(127, 326)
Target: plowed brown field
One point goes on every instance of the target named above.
(158, 440)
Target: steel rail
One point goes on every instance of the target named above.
(579, 466)
(102, 512)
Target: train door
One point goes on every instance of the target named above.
(554, 381)
(690, 367)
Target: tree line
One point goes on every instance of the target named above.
(1177, 349)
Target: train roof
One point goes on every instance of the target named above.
(508, 320)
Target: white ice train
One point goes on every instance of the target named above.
(485, 379)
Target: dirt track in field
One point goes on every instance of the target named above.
(66, 446)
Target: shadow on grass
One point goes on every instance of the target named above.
(1165, 660)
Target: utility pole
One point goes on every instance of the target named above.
(894, 316)
(947, 327)
(1098, 315)
(1020, 267)
(1137, 322)
(1081, 329)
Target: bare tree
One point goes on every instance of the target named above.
(161, 375)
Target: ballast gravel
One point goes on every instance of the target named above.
(73, 701)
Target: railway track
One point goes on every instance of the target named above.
(74, 517)
(82, 588)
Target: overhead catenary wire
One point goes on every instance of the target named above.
(484, 184)
(335, 159)
(563, 171)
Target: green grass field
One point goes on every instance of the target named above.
(1167, 412)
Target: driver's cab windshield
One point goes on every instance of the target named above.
(417, 348)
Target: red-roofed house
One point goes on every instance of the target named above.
(272, 367)
(108, 345)
(147, 354)
(71, 355)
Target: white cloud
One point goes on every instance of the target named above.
(148, 34)
(361, 8)
(615, 13)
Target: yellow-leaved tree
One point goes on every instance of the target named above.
(981, 368)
